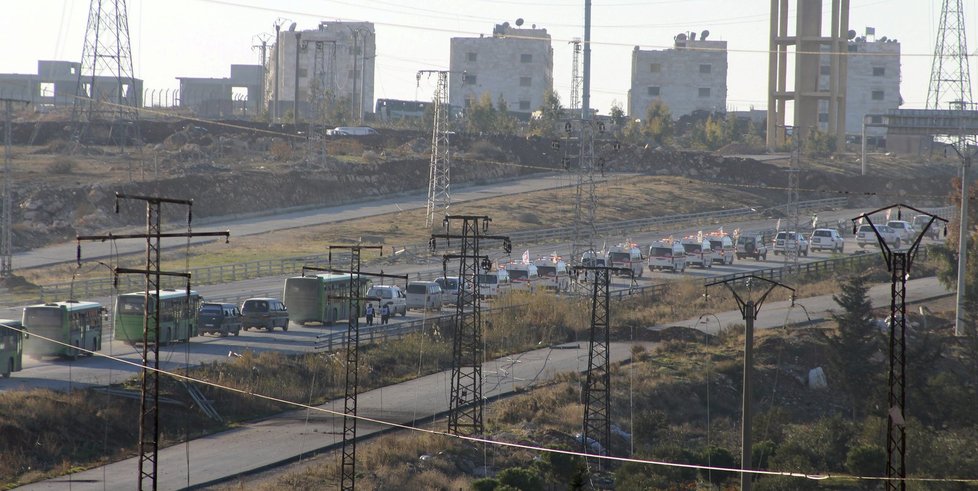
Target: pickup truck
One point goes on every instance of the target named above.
(752, 246)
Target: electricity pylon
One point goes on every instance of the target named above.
(439, 174)
(950, 75)
(149, 402)
(466, 403)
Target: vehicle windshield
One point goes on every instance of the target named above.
(255, 306)
(661, 251)
(42, 316)
(417, 289)
(133, 305)
(619, 256)
(823, 233)
(518, 274)
(380, 293)
(547, 270)
(487, 279)
(716, 244)
(692, 247)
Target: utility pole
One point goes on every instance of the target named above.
(263, 50)
(149, 404)
(106, 53)
(966, 153)
(466, 402)
(597, 388)
(898, 262)
(749, 309)
(439, 172)
(794, 213)
(6, 218)
(295, 93)
(354, 296)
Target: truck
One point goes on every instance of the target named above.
(666, 254)
(627, 256)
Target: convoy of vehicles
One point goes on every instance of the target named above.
(521, 276)
(323, 298)
(11, 347)
(667, 254)
(722, 247)
(492, 283)
(698, 252)
(787, 243)
(552, 274)
(65, 326)
(178, 316)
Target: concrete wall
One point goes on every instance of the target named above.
(518, 69)
(215, 98)
(690, 77)
(56, 83)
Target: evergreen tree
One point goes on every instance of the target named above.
(852, 348)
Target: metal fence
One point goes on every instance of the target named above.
(94, 287)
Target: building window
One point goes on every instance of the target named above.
(526, 58)
(823, 117)
(706, 68)
(655, 68)
(471, 57)
(469, 79)
(876, 119)
(704, 92)
(524, 105)
(47, 89)
(879, 71)
(653, 91)
(524, 81)
(825, 70)
(877, 95)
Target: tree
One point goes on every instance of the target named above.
(481, 115)
(658, 122)
(550, 114)
(857, 340)
(617, 115)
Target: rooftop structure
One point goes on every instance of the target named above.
(691, 76)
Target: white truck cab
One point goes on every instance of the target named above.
(666, 254)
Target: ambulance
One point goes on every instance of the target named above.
(722, 247)
(667, 254)
(698, 252)
(552, 273)
(521, 276)
(627, 256)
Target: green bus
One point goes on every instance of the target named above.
(75, 324)
(178, 316)
(11, 347)
(322, 298)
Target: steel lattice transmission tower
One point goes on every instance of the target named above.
(466, 402)
(439, 177)
(107, 91)
(950, 76)
(575, 95)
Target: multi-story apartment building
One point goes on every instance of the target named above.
(691, 76)
(311, 70)
(515, 65)
(872, 84)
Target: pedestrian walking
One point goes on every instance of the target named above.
(370, 314)
(385, 314)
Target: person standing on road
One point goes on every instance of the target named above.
(370, 314)
(385, 314)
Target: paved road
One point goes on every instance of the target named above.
(286, 436)
(257, 225)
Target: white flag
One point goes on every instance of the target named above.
(778, 226)
(526, 257)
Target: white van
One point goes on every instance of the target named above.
(390, 295)
(667, 255)
(351, 131)
(521, 276)
(698, 253)
(449, 288)
(424, 295)
(492, 283)
(553, 274)
(722, 247)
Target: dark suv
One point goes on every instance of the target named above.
(267, 313)
(219, 318)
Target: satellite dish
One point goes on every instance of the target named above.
(519, 22)
(292, 27)
(851, 34)
(681, 36)
(704, 34)
(883, 39)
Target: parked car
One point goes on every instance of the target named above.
(790, 243)
(219, 318)
(424, 295)
(752, 246)
(351, 131)
(267, 313)
(904, 229)
(935, 229)
(827, 239)
(866, 237)
(390, 295)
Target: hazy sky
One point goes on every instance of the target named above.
(202, 38)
